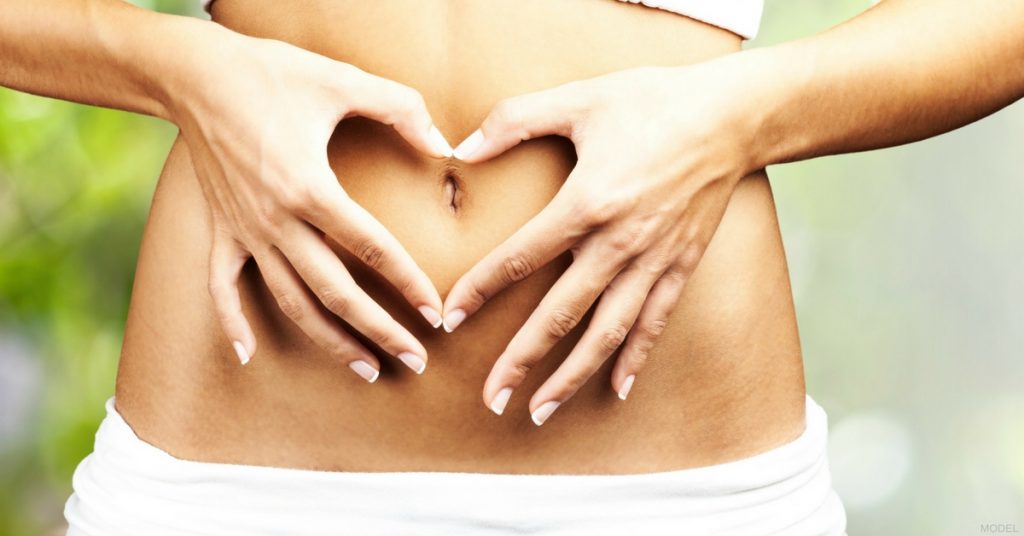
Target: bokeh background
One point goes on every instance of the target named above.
(907, 267)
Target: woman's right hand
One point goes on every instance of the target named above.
(257, 119)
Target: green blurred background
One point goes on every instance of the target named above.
(907, 267)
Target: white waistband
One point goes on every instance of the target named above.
(129, 487)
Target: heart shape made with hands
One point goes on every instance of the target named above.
(636, 213)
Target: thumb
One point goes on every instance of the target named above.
(520, 118)
(400, 106)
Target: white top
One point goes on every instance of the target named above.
(741, 17)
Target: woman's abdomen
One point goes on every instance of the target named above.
(724, 381)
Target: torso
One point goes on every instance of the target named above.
(724, 381)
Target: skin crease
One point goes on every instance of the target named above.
(724, 378)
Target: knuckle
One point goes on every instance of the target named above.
(582, 96)
(309, 201)
(346, 76)
(412, 101)
(338, 348)
(676, 274)
(270, 219)
(406, 285)
(599, 210)
(506, 116)
(225, 315)
(621, 243)
(573, 381)
(371, 254)
(215, 287)
(690, 256)
(408, 104)
(297, 199)
(516, 268)
(476, 295)
(638, 358)
(612, 338)
(380, 336)
(519, 370)
(629, 241)
(291, 306)
(560, 323)
(266, 212)
(651, 330)
(616, 208)
(655, 264)
(335, 301)
(248, 237)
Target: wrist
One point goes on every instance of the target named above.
(173, 76)
(774, 122)
(736, 98)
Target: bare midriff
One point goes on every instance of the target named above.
(724, 381)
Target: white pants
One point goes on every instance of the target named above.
(129, 487)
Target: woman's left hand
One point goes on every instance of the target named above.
(660, 150)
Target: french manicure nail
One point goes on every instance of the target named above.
(469, 145)
(440, 144)
(453, 318)
(365, 370)
(431, 315)
(243, 355)
(626, 386)
(501, 400)
(413, 361)
(544, 411)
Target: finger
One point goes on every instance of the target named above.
(355, 229)
(650, 324)
(400, 106)
(615, 314)
(520, 118)
(227, 258)
(296, 303)
(330, 281)
(558, 313)
(556, 228)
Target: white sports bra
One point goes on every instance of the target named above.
(742, 17)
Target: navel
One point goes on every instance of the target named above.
(452, 185)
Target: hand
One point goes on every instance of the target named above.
(660, 151)
(257, 130)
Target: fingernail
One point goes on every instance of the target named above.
(413, 361)
(469, 145)
(440, 144)
(626, 386)
(431, 315)
(501, 400)
(365, 370)
(544, 411)
(243, 355)
(453, 318)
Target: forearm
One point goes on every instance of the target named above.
(101, 52)
(902, 71)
